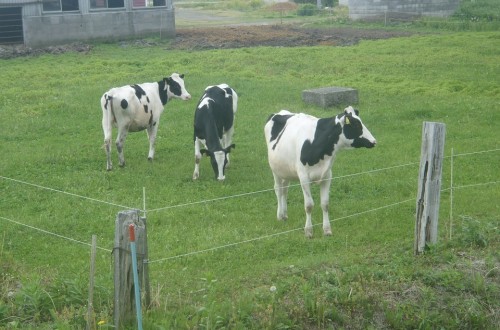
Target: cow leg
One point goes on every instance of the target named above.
(325, 197)
(197, 159)
(107, 128)
(281, 190)
(152, 130)
(227, 139)
(107, 146)
(308, 206)
(120, 142)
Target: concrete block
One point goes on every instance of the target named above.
(331, 96)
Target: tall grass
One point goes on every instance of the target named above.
(219, 259)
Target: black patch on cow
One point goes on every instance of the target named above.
(162, 90)
(361, 142)
(124, 104)
(279, 123)
(215, 117)
(145, 108)
(151, 120)
(175, 88)
(326, 135)
(139, 92)
(354, 129)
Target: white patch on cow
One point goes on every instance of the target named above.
(204, 102)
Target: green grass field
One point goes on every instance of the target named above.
(219, 258)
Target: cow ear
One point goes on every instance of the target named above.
(228, 149)
(181, 75)
(205, 152)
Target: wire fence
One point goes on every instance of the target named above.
(259, 238)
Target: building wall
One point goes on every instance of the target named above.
(376, 9)
(50, 28)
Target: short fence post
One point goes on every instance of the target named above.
(124, 303)
(429, 185)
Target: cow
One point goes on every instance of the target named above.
(138, 107)
(304, 147)
(214, 128)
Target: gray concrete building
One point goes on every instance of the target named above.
(38, 23)
(383, 9)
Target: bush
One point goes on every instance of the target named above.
(479, 10)
(307, 10)
(324, 3)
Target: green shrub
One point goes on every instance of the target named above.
(479, 10)
(324, 3)
(307, 10)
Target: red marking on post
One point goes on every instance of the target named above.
(131, 232)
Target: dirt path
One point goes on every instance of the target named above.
(273, 35)
(201, 30)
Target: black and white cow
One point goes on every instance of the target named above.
(135, 108)
(304, 147)
(214, 128)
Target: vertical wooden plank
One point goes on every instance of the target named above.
(124, 304)
(429, 185)
(90, 305)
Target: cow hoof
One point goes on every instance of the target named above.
(122, 165)
(308, 232)
(150, 158)
(327, 233)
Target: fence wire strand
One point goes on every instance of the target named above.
(67, 193)
(51, 233)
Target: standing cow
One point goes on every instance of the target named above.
(214, 128)
(135, 108)
(304, 147)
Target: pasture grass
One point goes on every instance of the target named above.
(219, 258)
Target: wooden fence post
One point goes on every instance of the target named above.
(429, 185)
(124, 303)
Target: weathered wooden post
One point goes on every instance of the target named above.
(124, 303)
(429, 185)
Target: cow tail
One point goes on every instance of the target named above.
(109, 100)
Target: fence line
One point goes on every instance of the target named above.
(231, 196)
(51, 233)
(238, 195)
(279, 233)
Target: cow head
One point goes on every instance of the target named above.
(354, 130)
(175, 88)
(218, 159)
